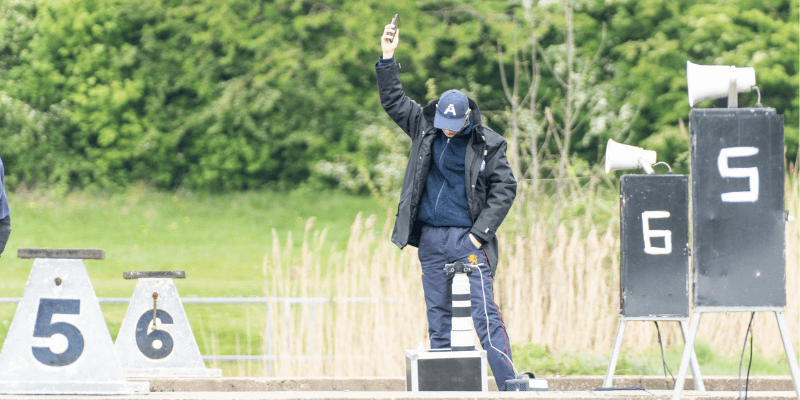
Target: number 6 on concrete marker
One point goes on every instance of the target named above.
(168, 347)
(156, 344)
(46, 328)
(750, 196)
(650, 234)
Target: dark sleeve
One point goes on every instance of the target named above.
(502, 191)
(382, 62)
(405, 112)
(5, 232)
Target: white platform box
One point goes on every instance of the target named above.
(446, 370)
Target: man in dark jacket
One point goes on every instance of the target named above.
(5, 213)
(457, 189)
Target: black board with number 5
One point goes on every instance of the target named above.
(738, 220)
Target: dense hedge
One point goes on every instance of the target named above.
(239, 94)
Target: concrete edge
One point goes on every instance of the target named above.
(397, 384)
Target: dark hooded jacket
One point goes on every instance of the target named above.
(490, 184)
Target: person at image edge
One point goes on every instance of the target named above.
(5, 213)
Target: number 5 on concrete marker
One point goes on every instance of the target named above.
(166, 348)
(46, 328)
(58, 342)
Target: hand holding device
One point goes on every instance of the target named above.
(390, 39)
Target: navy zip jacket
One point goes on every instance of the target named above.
(444, 202)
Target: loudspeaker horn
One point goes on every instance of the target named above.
(623, 156)
(706, 82)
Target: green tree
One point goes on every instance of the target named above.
(653, 40)
(240, 94)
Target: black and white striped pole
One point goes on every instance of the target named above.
(462, 335)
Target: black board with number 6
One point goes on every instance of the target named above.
(654, 238)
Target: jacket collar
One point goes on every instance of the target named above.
(429, 111)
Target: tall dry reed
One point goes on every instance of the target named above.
(557, 284)
(343, 338)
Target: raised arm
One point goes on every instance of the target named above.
(403, 111)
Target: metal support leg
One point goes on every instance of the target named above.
(698, 379)
(313, 321)
(787, 347)
(612, 365)
(688, 351)
(268, 351)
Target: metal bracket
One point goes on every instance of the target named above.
(155, 308)
(154, 274)
(459, 268)
(648, 169)
(86, 254)
(733, 97)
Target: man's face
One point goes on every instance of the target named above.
(453, 133)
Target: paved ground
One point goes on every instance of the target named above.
(311, 395)
(556, 383)
(392, 388)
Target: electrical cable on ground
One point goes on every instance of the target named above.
(747, 333)
(749, 363)
(663, 359)
(488, 330)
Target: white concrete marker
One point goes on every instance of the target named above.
(170, 349)
(58, 342)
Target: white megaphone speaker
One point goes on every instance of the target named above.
(623, 156)
(706, 82)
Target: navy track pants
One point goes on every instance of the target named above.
(443, 245)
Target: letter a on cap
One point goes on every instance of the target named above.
(451, 109)
(58, 342)
(170, 349)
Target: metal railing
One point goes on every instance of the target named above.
(241, 300)
(311, 301)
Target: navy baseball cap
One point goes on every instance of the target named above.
(451, 111)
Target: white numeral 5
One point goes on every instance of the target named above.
(750, 196)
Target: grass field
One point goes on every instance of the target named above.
(219, 240)
(226, 245)
(209, 236)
